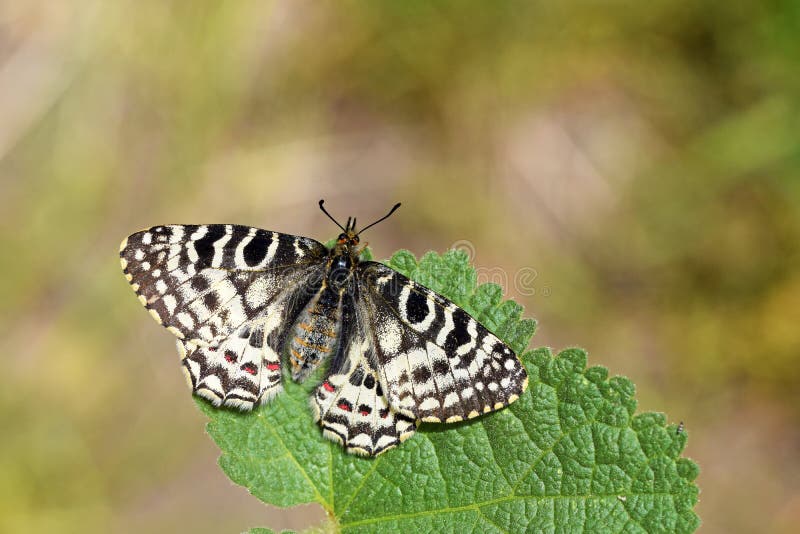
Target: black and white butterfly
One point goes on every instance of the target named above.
(242, 300)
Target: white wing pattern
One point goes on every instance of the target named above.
(241, 299)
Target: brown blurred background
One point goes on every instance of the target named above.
(631, 168)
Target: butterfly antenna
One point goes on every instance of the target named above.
(321, 202)
(381, 219)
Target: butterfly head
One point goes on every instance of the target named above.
(349, 237)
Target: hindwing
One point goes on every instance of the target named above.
(437, 363)
(241, 371)
(351, 403)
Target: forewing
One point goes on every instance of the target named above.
(204, 282)
(437, 363)
(351, 405)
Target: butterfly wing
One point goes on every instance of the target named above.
(351, 405)
(239, 372)
(204, 282)
(437, 363)
(229, 293)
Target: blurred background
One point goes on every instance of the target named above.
(630, 171)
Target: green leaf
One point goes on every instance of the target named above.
(569, 455)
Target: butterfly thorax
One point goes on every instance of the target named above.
(340, 269)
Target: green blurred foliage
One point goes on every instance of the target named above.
(642, 157)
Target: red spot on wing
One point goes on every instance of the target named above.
(273, 366)
(249, 368)
(327, 385)
(384, 413)
(345, 406)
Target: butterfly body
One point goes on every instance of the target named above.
(241, 300)
(316, 332)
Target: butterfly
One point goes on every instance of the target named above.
(246, 303)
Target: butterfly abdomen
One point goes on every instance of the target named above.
(316, 332)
